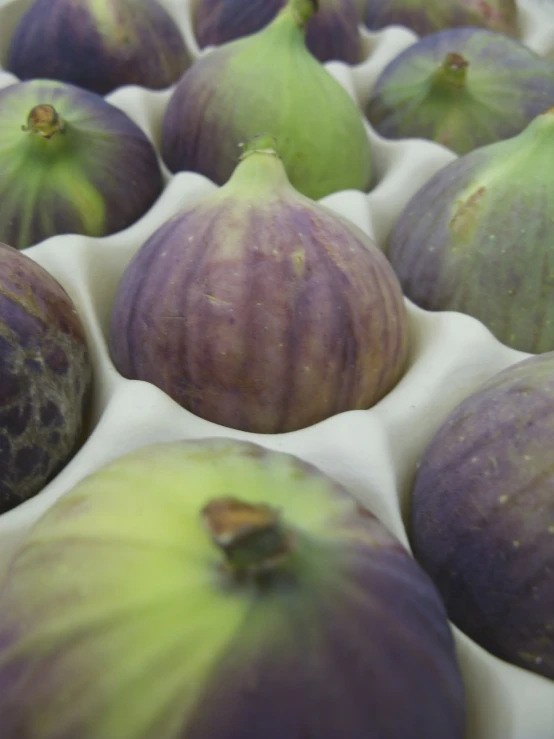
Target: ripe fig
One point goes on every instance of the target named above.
(462, 88)
(331, 34)
(98, 44)
(268, 82)
(45, 377)
(70, 163)
(482, 515)
(215, 589)
(478, 238)
(429, 16)
(258, 309)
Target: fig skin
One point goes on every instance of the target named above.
(477, 238)
(268, 82)
(429, 16)
(260, 310)
(98, 45)
(482, 515)
(463, 88)
(97, 176)
(45, 377)
(138, 632)
(332, 34)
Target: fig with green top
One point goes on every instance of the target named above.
(70, 163)
(98, 45)
(478, 238)
(217, 590)
(268, 82)
(259, 309)
(463, 88)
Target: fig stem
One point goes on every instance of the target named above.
(302, 10)
(250, 535)
(452, 72)
(44, 121)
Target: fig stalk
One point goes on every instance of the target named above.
(250, 535)
(45, 121)
(451, 74)
(302, 10)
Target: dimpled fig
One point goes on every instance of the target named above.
(98, 44)
(70, 163)
(331, 34)
(45, 377)
(268, 82)
(479, 238)
(216, 590)
(482, 515)
(428, 16)
(259, 309)
(462, 88)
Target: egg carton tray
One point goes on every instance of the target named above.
(374, 452)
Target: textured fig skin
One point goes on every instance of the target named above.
(482, 516)
(332, 33)
(328, 648)
(429, 16)
(97, 177)
(506, 86)
(99, 46)
(45, 377)
(265, 317)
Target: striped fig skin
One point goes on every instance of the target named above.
(506, 86)
(45, 377)
(98, 45)
(265, 313)
(143, 637)
(332, 33)
(482, 517)
(98, 176)
(430, 16)
(477, 238)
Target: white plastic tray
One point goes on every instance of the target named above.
(372, 452)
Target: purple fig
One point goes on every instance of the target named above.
(462, 88)
(478, 238)
(482, 515)
(45, 377)
(98, 44)
(429, 16)
(269, 82)
(217, 590)
(259, 309)
(331, 34)
(70, 163)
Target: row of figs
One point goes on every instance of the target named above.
(214, 589)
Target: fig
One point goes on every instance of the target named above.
(216, 590)
(258, 309)
(268, 82)
(482, 514)
(429, 16)
(331, 34)
(70, 163)
(462, 88)
(45, 377)
(477, 238)
(99, 45)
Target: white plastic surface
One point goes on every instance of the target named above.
(372, 452)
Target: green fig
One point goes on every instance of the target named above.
(268, 82)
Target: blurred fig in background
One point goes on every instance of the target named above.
(45, 377)
(70, 163)
(462, 88)
(99, 45)
(428, 16)
(269, 82)
(260, 310)
(331, 35)
(217, 590)
(478, 238)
